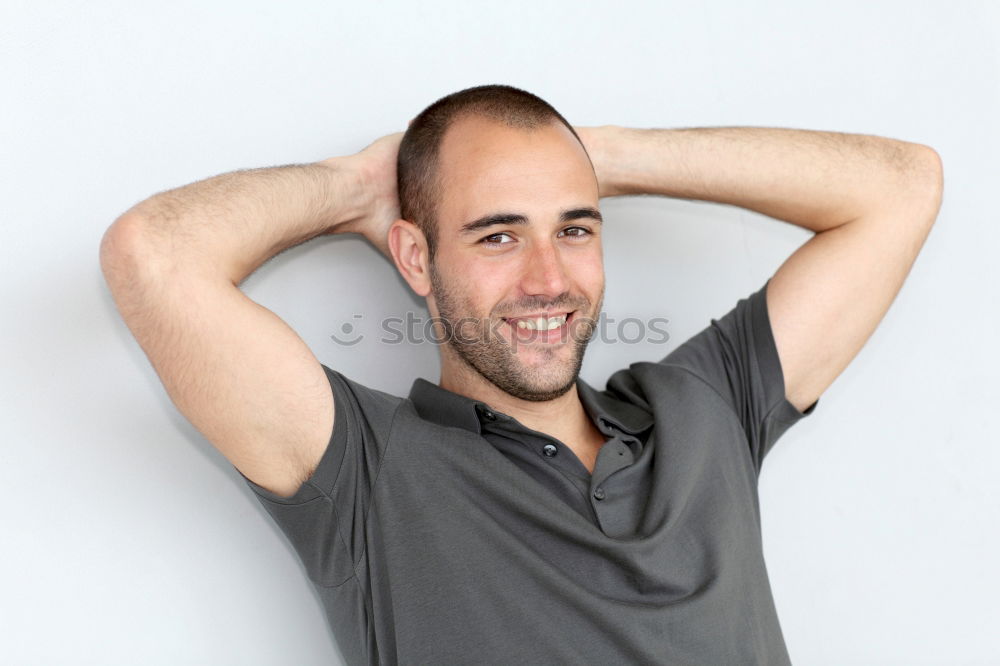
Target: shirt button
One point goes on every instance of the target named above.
(489, 416)
(599, 494)
(550, 450)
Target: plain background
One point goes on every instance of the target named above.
(128, 539)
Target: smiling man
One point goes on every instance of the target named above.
(511, 513)
(517, 262)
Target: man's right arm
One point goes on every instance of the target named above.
(233, 368)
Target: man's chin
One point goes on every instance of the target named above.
(536, 384)
(534, 373)
(537, 392)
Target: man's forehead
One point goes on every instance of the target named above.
(484, 164)
(473, 136)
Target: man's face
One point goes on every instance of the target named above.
(503, 282)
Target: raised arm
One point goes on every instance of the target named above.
(233, 368)
(871, 201)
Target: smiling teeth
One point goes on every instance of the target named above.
(542, 323)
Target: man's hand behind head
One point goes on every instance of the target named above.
(376, 168)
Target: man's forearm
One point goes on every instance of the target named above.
(818, 180)
(234, 222)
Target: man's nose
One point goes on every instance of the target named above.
(545, 273)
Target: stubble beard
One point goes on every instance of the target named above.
(484, 350)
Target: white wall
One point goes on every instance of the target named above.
(128, 539)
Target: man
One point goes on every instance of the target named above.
(512, 513)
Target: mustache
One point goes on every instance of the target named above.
(563, 302)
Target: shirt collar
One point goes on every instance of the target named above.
(602, 405)
(443, 407)
(449, 409)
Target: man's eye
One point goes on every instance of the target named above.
(494, 239)
(577, 231)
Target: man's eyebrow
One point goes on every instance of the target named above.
(514, 218)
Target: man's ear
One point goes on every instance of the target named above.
(409, 252)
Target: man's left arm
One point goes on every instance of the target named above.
(871, 201)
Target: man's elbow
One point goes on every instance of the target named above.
(929, 172)
(928, 161)
(921, 182)
(935, 184)
(120, 252)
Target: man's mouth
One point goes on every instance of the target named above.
(541, 325)
(539, 322)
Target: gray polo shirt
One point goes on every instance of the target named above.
(438, 530)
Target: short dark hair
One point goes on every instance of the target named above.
(417, 163)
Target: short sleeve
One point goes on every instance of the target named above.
(325, 519)
(737, 356)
